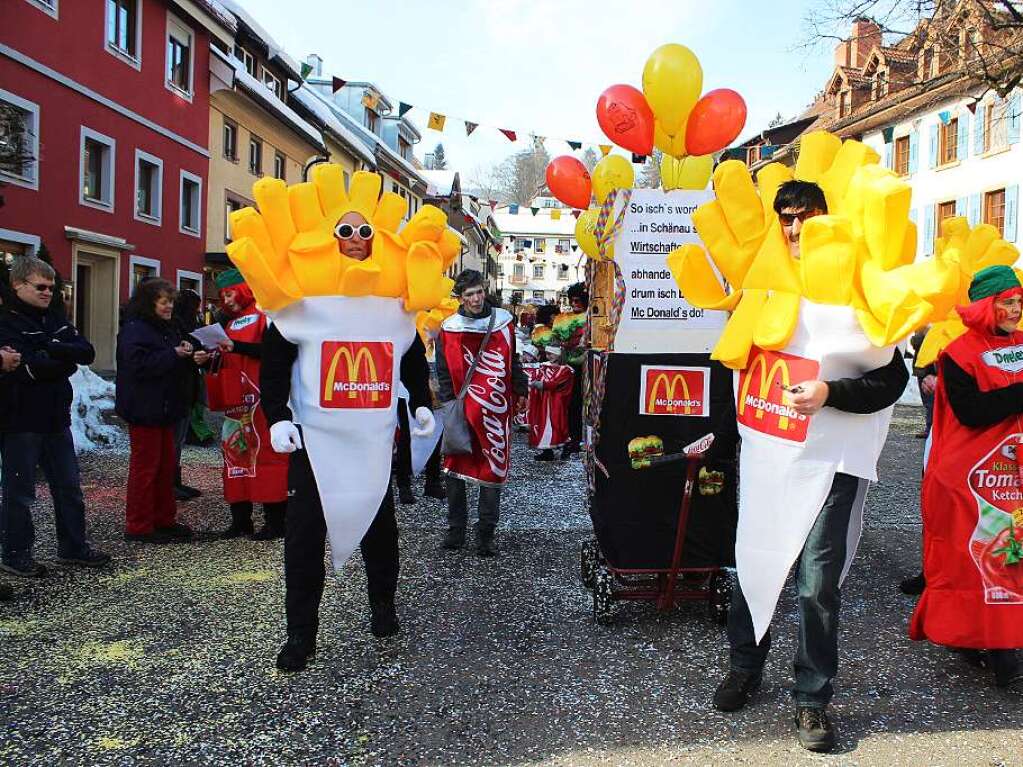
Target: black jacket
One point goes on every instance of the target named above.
(976, 408)
(149, 373)
(874, 390)
(36, 396)
(278, 354)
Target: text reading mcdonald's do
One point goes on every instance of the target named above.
(356, 375)
(762, 404)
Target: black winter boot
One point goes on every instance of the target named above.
(454, 538)
(241, 521)
(405, 495)
(435, 489)
(383, 621)
(296, 653)
(485, 544)
(273, 528)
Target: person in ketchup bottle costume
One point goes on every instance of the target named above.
(972, 497)
(253, 471)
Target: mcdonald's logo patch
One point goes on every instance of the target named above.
(679, 391)
(356, 375)
(762, 403)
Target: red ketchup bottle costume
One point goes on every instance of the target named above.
(550, 389)
(253, 471)
(972, 498)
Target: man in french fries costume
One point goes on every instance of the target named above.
(823, 285)
(342, 287)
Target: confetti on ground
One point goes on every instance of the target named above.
(168, 657)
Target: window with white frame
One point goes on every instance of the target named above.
(539, 245)
(538, 295)
(190, 191)
(996, 125)
(148, 187)
(232, 202)
(96, 174)
(537, 271)
(246, 58)
(124, 29)
(255, 156)
(279, 167)
(47, 6)
(273, 83)
(179, 57)
(230, 140)
(142, 268)
(19, 138)
(188, 280)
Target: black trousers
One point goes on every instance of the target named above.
(305, 545)
(403, 448)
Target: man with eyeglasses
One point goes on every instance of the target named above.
(827, 549)
(305, 526)
(35, 422)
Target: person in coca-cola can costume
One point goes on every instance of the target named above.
(489, 406)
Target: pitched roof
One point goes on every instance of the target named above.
(275, 51)
(315, 103)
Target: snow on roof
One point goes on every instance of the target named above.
(441, 182)
(525, 223)
(262, 93)
(378, 143)
(315, 103)
(217, 10)
(274, 48)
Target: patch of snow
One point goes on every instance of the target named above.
(93, 397)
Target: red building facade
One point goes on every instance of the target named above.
(114, 95)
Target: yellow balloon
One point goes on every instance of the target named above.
(672, 83)
(687, 173)
(584, 233)
(613, 172)
(674, 145)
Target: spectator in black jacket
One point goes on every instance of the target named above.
(152, 360)
(35, 421)
(186, 319)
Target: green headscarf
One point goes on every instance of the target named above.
(992, 281)
(228, 278)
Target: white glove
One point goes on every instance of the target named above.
(285, 438)
(425, 423)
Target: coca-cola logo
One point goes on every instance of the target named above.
(489, 390)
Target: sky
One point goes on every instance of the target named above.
(538, 66)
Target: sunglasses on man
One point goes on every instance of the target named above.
(788, 219)
(347, 231)
(41, 287)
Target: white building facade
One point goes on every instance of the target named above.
(962, 157)
(539, 257)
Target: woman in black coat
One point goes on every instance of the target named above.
(152, 361)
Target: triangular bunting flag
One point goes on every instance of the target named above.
(468, 218)
(605, 149)
(513, 209)
(555, 215)
(638, 158)
(945, 117)
(508, 134)
(574, 145)
(972, 107)
(370, 99)
(493, 204)
(575, 248)
(576, 213)
(887, 134)
(534, 210)
(306, 70)
(403, 108)
(436, 121)
(337, 84)
(470, 127)
(537, 141)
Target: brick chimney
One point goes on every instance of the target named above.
(854, 51)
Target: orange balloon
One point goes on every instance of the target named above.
(569, 181)
(626, 118)
(715, 122)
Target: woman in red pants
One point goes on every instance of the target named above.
(253, 472)
(151, 358)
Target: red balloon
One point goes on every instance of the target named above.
(715, 122)
(626, 118)
(569, 181)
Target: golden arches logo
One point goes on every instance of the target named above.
(766, 380)
(352, 363)
(669, 392)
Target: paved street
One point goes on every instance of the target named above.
(168, 658)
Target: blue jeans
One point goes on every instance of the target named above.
(22, 453)
(819, 569)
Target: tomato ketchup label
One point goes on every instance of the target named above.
(995, 484)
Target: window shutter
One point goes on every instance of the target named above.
(888, 155)
(978, 130)
(1014, 118)
(963, 139)
(961, 204)
(933, 149)
(914, 151)
(974, 214)
(1011, 212)
(913, 215)
(929, 230)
